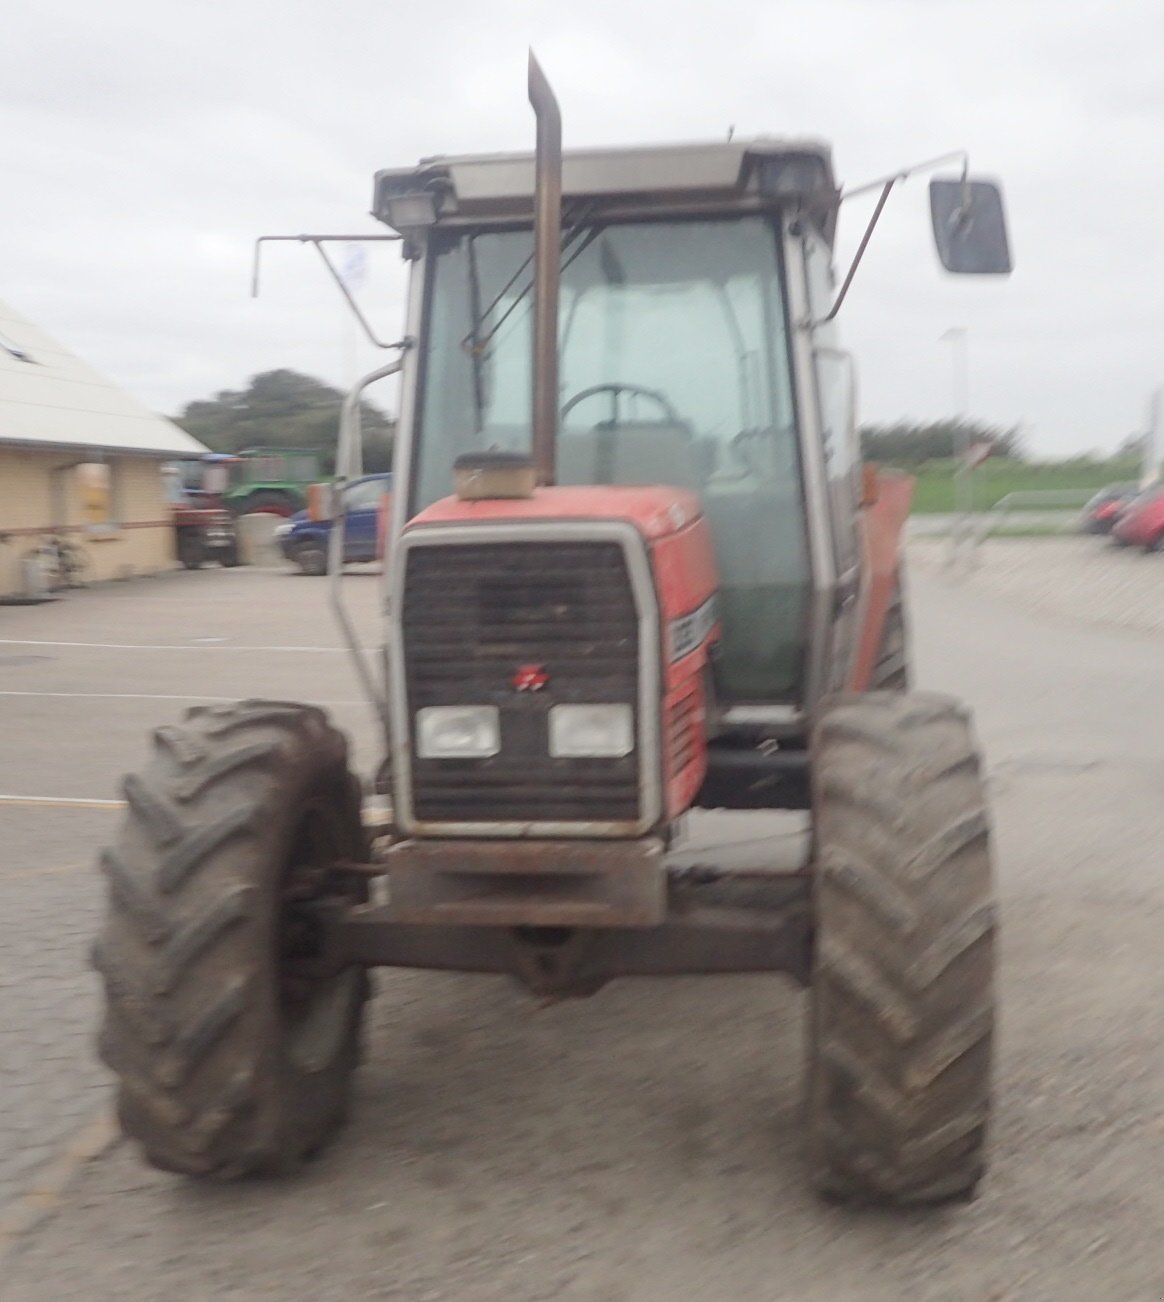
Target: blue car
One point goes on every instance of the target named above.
(305, 541)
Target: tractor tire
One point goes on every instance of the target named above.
(901, 1027)
(191, 550)
(233, 1056)
(891, 670)
(229, 557)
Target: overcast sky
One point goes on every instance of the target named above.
(145, 144)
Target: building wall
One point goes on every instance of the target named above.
(120, 519)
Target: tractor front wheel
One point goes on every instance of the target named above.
(234, 1049)
(902, 1001)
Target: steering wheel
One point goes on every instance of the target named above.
(616, 391)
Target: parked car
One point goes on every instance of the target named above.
(1141, 522)
(1101, 511)
(305, 541)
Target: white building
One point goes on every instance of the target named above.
(79, 459)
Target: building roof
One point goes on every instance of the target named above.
(50, 398)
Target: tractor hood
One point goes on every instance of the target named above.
(656, 512)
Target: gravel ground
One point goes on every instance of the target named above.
(644, 1145)
(50, 1080)
(1085, 579)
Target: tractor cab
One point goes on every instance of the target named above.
(688, 278)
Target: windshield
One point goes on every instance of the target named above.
(673, 369)
(680, 323)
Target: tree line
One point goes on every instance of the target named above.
(285, 409)
(909, 444)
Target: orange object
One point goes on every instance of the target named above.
(883, 522)
(383, 517)
(319, 502)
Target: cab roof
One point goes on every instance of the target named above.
(722, 176)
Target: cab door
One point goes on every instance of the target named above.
(834, 384)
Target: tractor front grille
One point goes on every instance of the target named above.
(474, 617)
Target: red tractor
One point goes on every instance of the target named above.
(636, 569)
(204, 529)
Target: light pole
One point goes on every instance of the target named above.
(957, 337)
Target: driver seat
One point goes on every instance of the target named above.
(632, 453)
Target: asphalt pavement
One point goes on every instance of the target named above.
(644, 1144)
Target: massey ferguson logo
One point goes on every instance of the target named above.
(530, 678)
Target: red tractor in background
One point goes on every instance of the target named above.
(204, 529)
(635, 568)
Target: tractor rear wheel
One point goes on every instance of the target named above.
(902, 1001)
(234, 1052)
(891, 670)
(266, 501)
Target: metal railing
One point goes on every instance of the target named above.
(969, 530)
(1033, 499)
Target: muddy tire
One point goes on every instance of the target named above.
(902, 1016)
(233, 1056)
(891, 670)
(191, 550)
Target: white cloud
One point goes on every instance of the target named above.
(144, 146)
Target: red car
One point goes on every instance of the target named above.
(1102, 511)
(1141, 523)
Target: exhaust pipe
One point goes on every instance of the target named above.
(547, 270)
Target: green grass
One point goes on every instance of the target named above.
(934, 491)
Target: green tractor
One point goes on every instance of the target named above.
(272, 481)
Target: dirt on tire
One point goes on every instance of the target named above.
(225, 1065)
(902, 1017)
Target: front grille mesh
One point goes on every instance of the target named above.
(473, 615)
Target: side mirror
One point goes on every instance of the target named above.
(970, 226)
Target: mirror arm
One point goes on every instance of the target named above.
(319, 241)
(881, 202)
(887, 183)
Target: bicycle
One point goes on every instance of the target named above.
(64, 563)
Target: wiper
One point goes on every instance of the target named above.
(470, 342)
(474, 343)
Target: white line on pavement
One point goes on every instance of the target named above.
(170, 646)
(63, 802)
(144, 696)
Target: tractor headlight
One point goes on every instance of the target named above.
(591, 731)
(457, 732)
